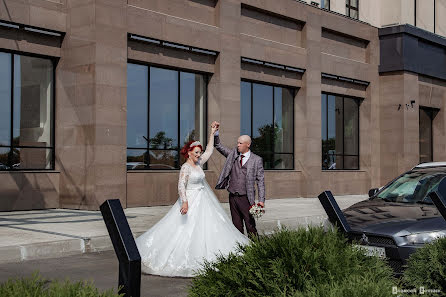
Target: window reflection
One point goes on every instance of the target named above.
(351, 135)
(5, 98)
(31, 158)
(283, 119)
(427, 116)
(352, 8)
(245, 108)
(340, 132)
(136, 159)
(192, 105)
(325, 4)
(272, 129)
(163, 108)
(31, 144)
(137, 105)
(262, 109)
(4, 156)
(33, 79)
(163, 159)
(172, 104)
(283, 161)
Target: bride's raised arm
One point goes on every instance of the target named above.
(209, 148)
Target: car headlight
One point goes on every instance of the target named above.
(426, 237)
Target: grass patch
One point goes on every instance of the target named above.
(36, 286)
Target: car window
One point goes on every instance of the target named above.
(412, 187)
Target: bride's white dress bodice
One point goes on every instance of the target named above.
(193, 178)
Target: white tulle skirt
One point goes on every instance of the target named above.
(178, 244)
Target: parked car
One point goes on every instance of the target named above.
(400, 217)
(136, 165)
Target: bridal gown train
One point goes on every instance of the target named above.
(178, 244)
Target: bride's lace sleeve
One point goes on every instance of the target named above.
(208, 152)
(182, 182)
(206, 155)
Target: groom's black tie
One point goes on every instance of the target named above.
(241, 160)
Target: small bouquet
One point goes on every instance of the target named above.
(257, 210)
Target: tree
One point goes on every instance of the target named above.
(263, 145)
(160, 141)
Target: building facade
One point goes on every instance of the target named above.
(99, 96)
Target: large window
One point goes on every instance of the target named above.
(26, 113)
(352, 8)
(427, 116)
(165, 109)
(340, 132)
(267, 116)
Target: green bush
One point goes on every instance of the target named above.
(427, 268)
(35, 286)
(295, 263)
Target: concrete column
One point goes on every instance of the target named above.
(224, 87)
(399, 124)
(370, 137)
(308, 114)
(91, 105)
(410, 132)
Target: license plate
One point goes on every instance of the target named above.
(373, 250)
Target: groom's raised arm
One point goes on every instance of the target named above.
(221, 148)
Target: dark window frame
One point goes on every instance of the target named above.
(435, 4)
(294, 92)
(350, 8)
(206, 77)
(358, 100)
(54, 61)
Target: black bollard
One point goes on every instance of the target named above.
(438, 197)
(125, 247)
(334, 213)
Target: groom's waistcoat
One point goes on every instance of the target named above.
(237, 178)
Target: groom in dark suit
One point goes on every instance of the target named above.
(241, 171)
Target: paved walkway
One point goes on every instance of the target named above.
(100, 268)
(52, 233)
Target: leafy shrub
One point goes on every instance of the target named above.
(35, 286)
(295, 263)
(427, 268)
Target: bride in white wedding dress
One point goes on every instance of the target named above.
(195, 229)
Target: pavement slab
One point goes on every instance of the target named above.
(50, 233)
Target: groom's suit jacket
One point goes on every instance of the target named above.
(254, 172)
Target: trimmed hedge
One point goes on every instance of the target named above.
(427, 268)
(304, 262)
(36, 286)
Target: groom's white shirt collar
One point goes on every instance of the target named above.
(246, 157)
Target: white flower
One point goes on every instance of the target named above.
(257, 210)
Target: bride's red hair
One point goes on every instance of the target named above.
(187, 148)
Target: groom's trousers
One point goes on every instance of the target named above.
(239, 206)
